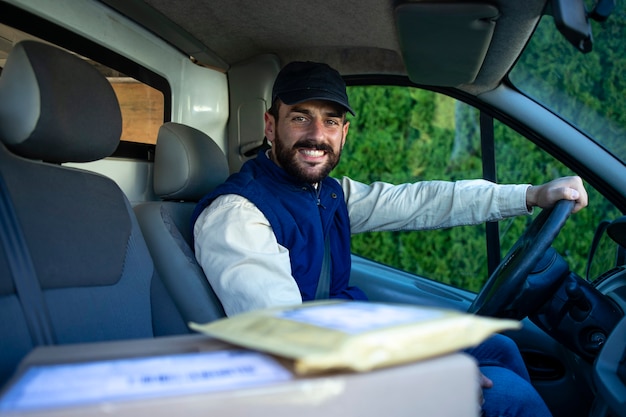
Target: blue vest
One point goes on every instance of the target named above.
(301, 218)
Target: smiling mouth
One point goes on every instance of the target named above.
(314, 153)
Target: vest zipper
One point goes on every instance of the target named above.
(318, 190)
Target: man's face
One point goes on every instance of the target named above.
(307, 138)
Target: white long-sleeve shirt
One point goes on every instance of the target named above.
(248, 269)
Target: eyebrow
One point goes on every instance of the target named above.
(330, 113)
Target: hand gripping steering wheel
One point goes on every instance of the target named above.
(506, 284)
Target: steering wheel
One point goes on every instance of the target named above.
(506, 284)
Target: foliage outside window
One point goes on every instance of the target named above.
(407, 135)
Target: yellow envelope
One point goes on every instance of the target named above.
(323, 336)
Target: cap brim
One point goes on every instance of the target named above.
(296, 97)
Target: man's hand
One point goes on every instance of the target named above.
(566, 188)
(484, 381)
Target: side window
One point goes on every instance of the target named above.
(406, 135)
(403, 134)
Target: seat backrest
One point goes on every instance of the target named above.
(90, 260)
(187, 165)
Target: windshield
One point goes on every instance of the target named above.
(587, 89)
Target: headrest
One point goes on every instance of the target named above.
(187, 163)
(56, 107)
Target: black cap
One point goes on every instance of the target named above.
(303, 81)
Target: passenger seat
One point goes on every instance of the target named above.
(74, 266)
(187, 165)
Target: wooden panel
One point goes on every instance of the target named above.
(142, 110)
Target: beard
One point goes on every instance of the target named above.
(287, 159)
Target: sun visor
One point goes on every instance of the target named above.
(444, 44)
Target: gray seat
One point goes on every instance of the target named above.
(187, 165)
(92, 273)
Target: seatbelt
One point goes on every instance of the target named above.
(23, 272)
(323, 284)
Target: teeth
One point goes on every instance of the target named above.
(312, 152)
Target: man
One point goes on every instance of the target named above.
(265, 237)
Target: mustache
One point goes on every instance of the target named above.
(312, 144)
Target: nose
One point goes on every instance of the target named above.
(316, 129)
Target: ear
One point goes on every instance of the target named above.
(270, 127)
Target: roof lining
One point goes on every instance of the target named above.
(355, 34)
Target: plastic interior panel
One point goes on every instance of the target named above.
(461, 31)
(250, 85)
(610, 368)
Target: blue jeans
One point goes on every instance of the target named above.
(512, 394)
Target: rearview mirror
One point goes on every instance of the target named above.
(572, 20)
(570, 17)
